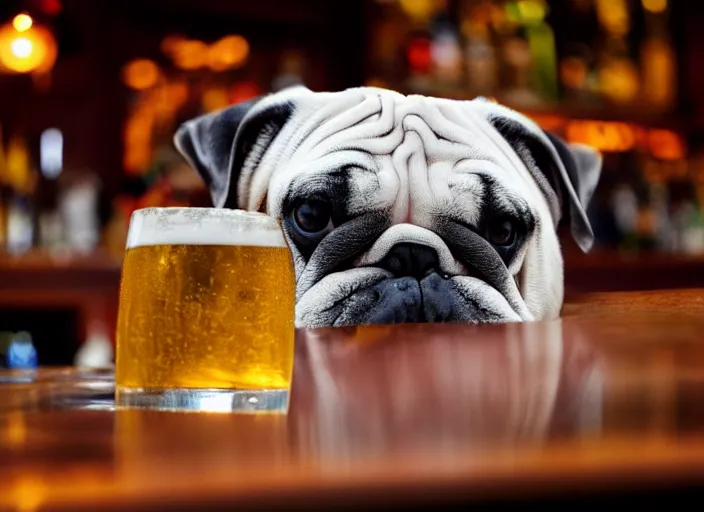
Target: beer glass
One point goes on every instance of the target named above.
(206, 316)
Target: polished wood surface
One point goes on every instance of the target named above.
(610, 398)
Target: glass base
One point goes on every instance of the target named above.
(204, 400)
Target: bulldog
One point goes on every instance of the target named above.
(402, 209)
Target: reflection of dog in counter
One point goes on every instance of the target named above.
(444, 393)
(402, 208)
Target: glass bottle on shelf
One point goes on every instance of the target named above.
(618, 75)
(445, 51)
(419, 56)
(529, 55)
(78, 208)
(20, 215)
(5, 195)
(658, 62)
(480, 53)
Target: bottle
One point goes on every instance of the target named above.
(445, 51)
(658, 64)
(291, 70)
(618, 76)
(481, 66)
(5, 195)
(21, 352)
(20, 214)
(97, 351)
(78, 208)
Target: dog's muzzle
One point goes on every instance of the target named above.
(416, 290)
(408, 276)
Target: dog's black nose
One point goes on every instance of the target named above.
(413, 260)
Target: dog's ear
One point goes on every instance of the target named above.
(567, 173)
(583, 166)
(219, 145)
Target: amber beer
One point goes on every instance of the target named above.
(206, 315)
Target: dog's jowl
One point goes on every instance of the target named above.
(402, 208)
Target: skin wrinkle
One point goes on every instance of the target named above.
(344, 243)
(339, 124)
(477, 306)
(425, 155)
(486, 259)
(417, 135)
(359, 135)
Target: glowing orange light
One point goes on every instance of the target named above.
(655, 6)
(140, 74)
(169, 44)
(215, 99)
(244, 91)
(604, 136)
(190, 54)
(138, 140)
(31, 49)
(666, 145)
(227, 53)
(21, 47)
(22, 22)
(548, 122)
(418, 9)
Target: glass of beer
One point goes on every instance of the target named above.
(206, 317)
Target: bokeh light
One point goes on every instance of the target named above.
(189, 54)
(655, 6)
(228, 53)
(140, 74)
(22, 22)
(21, 47)
(31, 49)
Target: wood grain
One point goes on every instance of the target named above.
(607, 399)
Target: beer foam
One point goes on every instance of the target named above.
(203, 226)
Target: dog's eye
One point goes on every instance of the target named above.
(501, 233)
(313, 216)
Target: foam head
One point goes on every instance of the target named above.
(203, 226)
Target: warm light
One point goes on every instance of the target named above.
(244, 91)
(21, 47)
(531, 11)
(574, 72)
(140, 74)
(33, 49)
(138, 140)
(166, 100)
(666, 145)
(215, 99)
(614, 16)
(190, 54)
(604, 136)
(418, 9)
(619, 80)
(227, 53)
(22, 22)
(169, 44)
(655, 6)
(549, 122)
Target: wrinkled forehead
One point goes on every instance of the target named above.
(376, 120)
(361, 128)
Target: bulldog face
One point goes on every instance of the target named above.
(402, 208)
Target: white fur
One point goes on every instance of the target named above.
(413, 171)
(426, 163)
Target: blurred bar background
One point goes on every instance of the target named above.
(93, 90)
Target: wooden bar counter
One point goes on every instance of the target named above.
(605, 403)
